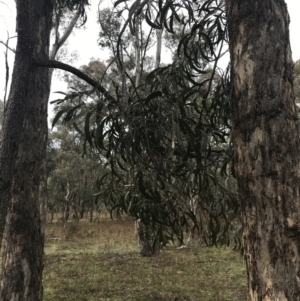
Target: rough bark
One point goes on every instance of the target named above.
(266, 146)
(22, 149)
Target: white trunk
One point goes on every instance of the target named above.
(159, 33)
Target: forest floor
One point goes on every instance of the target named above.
(101, 261)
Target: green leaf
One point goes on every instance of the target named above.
(116, 3)
(75, 118)
(58, 115)
(153, 95)
(99, 137)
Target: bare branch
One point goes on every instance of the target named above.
(6, 45)
(60, 41)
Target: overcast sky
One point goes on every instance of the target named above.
(85, 41)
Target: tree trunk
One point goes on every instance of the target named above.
(266, 146)
(159, 33)
(193, 208)
(66, 210)
(22, 150)
(43, 193)
(146, 246)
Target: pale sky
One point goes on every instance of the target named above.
(85, 41)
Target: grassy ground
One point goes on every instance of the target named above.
(100, 261)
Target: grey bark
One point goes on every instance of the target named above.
(22, 148)
(266, 146)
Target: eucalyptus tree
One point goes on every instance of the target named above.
(158, 136)
(132, 65)
(64, 22)
(22, 151)
(265, 133)
(160, 151)
(266, 146)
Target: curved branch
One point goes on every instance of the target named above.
(77, 72)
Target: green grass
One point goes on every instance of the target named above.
(101, 261)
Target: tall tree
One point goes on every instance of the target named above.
(22, 151)
(168, 152)
(23, 146)
(264, 129)
(266, 146)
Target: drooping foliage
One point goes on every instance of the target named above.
(74, 5)
(167, 140)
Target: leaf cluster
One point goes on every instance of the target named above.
(74, 5)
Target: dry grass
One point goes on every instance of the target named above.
(100, 261)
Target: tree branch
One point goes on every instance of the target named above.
(6, 45)
(69, 29)
(77, 72)
(60, 41)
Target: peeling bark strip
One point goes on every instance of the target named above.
(266, 145)
(22, 150)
